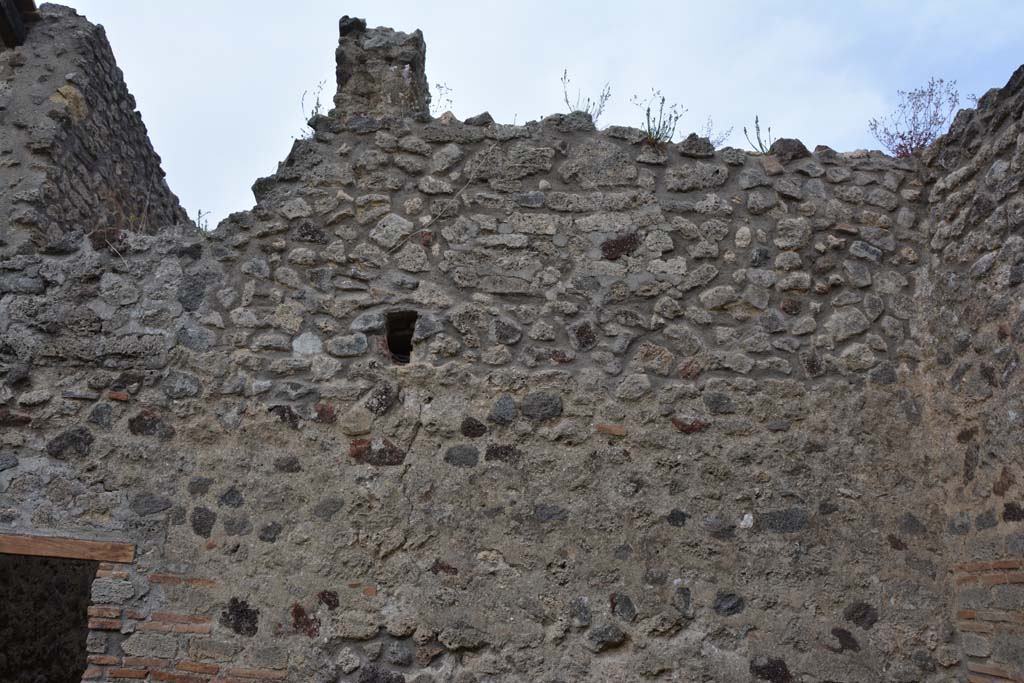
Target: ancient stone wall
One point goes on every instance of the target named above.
(976, 334)
(463, 401)
(75, 158)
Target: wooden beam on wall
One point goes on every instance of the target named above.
(67, 548)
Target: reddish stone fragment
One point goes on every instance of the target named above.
(379, 452)
(689, 369)
(9, 419)
(690, 425)
(441, 567)
(305, 623)
(325, 413)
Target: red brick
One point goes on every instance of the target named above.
(127, 673)
(135, 614)
(996, 615)
(1002, 578)
(1008, 564)
(249, 672)
(146, 662)
(171, 579)
(118, 396)
(201, 583)
(92, 673)
(613, 430)
(103, 660)
(105, 624)
(178, 678)
(978, 667)
(104, 612)
(155, 626)
(198, 667)
(966, 614)
(974, 627)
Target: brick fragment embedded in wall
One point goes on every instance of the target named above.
(991, 628)
(162, 632)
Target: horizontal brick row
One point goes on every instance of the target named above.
(991, 579)
(997, 674)
(138, 668)
(976, 678)
(991, 615)
(93, 673)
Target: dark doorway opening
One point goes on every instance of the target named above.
(400, 329)
(44, 622)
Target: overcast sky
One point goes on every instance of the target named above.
(220, 82)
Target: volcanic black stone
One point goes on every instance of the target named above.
(728, 604)
(240, 617)
(202, 521)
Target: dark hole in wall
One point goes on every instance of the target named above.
(44, 618)
(400, 328)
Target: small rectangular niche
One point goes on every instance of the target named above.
(400, 328)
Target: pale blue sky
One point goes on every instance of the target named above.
(219, 82)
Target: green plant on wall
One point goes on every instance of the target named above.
(660, 120)
(594, 107)
(759, 143)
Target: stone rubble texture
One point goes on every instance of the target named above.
(672, 414)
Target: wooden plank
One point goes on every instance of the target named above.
(67, 548)
(12, 29)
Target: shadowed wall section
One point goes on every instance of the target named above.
(43, 618)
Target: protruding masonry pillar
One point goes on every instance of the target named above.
(380, 71)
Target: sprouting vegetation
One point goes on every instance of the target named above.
(716, 137)
(202, 220)
(594, 107)
(659, 124)
(441, 101)
(920, 117)
(314, 109)
(759, 144)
